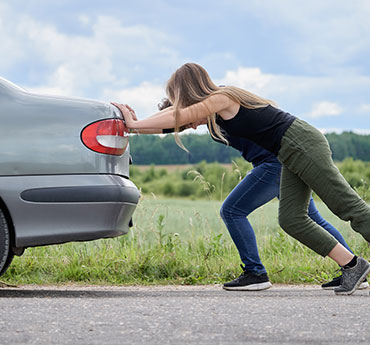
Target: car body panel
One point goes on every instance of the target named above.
(53, 187)
(41, 223)
(40, 134)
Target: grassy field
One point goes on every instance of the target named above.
(177, 241)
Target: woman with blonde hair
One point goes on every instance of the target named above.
(303, 151)
(257, 188)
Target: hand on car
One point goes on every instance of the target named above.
(132, 111)
(127, 112)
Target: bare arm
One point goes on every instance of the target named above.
(151, 130)
(148, 131)
(166, 119)
(160, 131)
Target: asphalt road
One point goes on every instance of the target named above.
(181, 315)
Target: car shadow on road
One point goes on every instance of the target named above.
(200, 292)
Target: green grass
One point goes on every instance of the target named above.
(178, 242)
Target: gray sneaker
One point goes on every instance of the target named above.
(353, 277)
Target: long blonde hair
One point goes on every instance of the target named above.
(191, 84)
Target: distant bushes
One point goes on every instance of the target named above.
(215, 181)
(203, 180)
(357, 173)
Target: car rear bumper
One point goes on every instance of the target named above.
(62, 208)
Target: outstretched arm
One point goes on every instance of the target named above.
(155, 131)
(160, 131)
(166, 119)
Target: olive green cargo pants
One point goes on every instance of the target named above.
(308, 165)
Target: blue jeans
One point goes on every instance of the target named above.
(259, 187)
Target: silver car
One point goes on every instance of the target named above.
(64, 171)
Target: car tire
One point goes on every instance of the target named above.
(6, 253)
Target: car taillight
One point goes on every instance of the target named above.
(106, 136)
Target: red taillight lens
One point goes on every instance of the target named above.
(106, 136)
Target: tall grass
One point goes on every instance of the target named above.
(177, 242)
(215, 181)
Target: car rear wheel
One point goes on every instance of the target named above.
(6, 253)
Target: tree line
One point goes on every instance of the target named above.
(154, 149)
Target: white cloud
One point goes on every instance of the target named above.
(83, 64)
(299, 94)
(84, 19)
(143, 98)
(77, 61)
(362, 131)
(325, 108)
(251, 79)
(340, 130)
(277, 86)
(11, 50)
(326, 34)
(330, 130)
(365, 108)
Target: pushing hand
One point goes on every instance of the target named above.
(127, 112)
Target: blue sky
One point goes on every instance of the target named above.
(312, 58)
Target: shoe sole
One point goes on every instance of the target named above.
(362, 286)
(252, 287)
(350, 292)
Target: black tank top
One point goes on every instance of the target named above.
(264, 126)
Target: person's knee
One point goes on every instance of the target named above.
(289, 221)
(228, 210)
(283, 220)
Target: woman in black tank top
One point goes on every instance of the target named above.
(303, 151)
